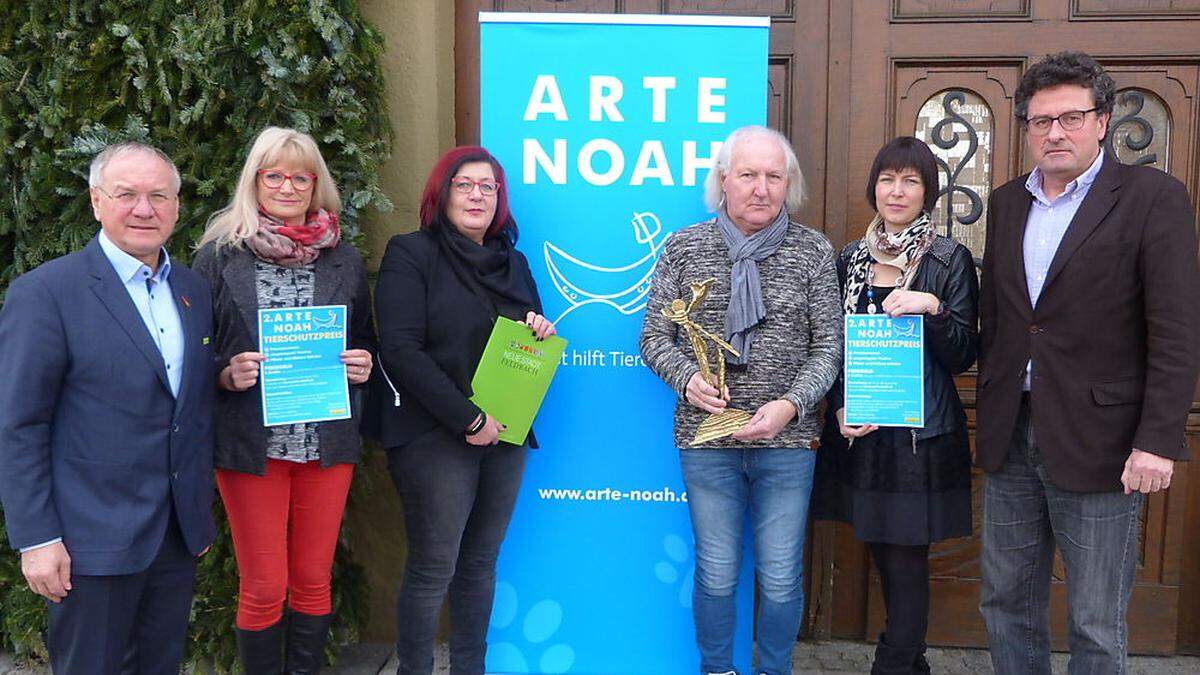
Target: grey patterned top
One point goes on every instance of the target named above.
(797, 349)
(278, 286)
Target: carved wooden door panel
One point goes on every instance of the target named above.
(945, 71)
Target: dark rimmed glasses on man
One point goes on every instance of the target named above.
(273, 179)
(1072, 120)
(464, 186)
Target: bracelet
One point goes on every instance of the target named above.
(478, 425)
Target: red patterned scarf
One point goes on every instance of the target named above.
(294, 245)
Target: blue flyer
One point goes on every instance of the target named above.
(885, 370)
(303, 378)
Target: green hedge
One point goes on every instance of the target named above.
(198, 79)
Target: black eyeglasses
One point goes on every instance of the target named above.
(1072, 120)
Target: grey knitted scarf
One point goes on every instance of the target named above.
(746, 307)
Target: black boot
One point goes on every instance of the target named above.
(920, 665)
(891, 660)
(306, 643)
(261, 651)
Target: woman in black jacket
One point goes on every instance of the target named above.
(900, 488)
(277, 245)
(438, 294)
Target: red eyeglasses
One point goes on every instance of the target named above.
(464, 185)
(273, 179)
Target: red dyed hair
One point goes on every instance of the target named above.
(437, 190)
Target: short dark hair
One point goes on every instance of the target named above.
(437, 191)
(1066, 68)
(906, 152)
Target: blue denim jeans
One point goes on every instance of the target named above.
(774, 485)
(1024, 517)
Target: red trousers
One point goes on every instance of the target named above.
(285, 528)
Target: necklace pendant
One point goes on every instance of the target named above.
(871, 308)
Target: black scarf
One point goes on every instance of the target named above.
(487, 270)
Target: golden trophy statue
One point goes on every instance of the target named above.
(729, 420)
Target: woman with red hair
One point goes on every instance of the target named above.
(440, 290)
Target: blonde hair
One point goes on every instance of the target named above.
(238, 221)
(714, 194)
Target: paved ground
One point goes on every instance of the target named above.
(811, 658)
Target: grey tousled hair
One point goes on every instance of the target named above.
(714, 196)
(111, 152)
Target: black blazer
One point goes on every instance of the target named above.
(951, 339)
(432, 331)
(340, 280)
(1113, 335)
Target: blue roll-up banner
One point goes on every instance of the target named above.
(606, 126)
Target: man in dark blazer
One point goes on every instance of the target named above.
(106, 428)
(1088, 364)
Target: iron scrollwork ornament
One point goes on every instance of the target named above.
(1141, 133)
(949, 102)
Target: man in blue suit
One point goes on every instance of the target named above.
(106, 439)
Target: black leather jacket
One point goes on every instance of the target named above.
(951, 337)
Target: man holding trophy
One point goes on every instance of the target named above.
(744, 324)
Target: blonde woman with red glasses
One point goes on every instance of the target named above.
(277, 245)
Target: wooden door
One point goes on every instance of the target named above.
(946, 71)
(847, 75)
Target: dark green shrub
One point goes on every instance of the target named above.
(22, 614)
(198, 79)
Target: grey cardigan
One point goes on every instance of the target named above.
(340, 280)
(797, 349)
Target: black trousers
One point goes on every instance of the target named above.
(458, 499)
(132, 624)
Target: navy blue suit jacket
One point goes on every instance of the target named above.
(94, 447)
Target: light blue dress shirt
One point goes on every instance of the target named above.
(151, 294)
(1045, 227)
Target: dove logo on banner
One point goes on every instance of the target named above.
(622, 288)
(607, 126)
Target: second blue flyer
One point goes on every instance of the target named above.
(885, 370)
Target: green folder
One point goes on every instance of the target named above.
(513, 376)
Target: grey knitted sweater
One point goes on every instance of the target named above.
(797, 348)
